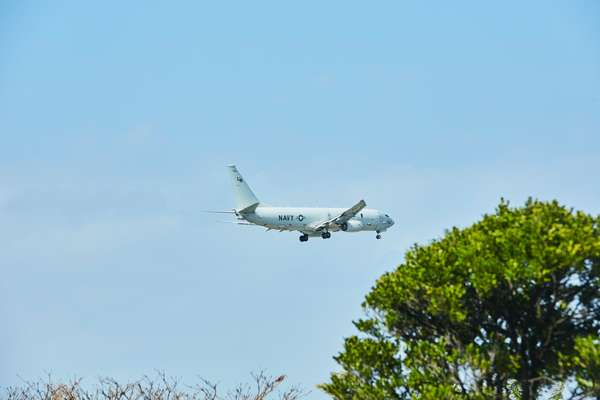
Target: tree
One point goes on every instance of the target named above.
(160, 387)
(505, 303)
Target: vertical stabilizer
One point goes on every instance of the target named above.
(244, 197)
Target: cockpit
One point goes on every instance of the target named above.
(388, 220)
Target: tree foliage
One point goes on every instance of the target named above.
(505, 308)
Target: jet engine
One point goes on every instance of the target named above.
(352, 226)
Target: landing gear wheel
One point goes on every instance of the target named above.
(326, 235)
(304, 238)
(378, 236)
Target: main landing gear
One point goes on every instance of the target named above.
(378, 235)
(324, 235)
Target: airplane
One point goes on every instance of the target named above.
(310, 221)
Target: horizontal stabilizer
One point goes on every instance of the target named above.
(236, 223)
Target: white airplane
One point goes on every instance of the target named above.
(309, 221)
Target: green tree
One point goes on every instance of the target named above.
(500, 309)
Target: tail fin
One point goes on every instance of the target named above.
(244, 197)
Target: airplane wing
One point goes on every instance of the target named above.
(340, 219)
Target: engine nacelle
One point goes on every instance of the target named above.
(352, 226)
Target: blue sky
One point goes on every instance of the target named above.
(117, 119)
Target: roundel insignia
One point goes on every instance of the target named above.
(300, 217)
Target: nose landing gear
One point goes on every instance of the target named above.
(304, 238)
(378, 236)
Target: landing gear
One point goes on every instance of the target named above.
(378, 235)
(326, 235)
(304, 238)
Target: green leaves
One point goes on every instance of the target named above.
(372, 370)
(585, 362)
(506, 299)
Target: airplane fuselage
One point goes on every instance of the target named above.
(303, 219)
